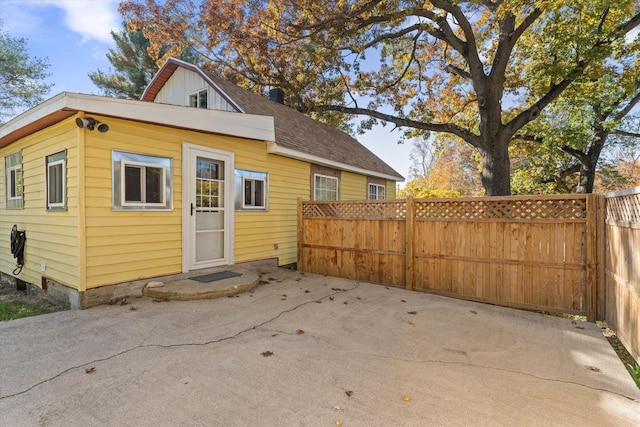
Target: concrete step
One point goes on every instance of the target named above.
(189, 289)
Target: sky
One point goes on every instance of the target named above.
(75, 36)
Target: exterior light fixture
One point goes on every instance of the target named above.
(90, 124)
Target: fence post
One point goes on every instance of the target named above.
(300, 265)
(595, 256)
(408, 241)
(601, 287)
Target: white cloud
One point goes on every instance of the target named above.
(91, 19)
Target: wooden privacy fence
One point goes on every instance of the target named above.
(537, 252)
(623, 267)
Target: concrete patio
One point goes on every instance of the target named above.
(310, 350)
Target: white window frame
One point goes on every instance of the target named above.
(12, 190)
(253, 205)
(59, 158)
(13, 167)
(143, 188)
(241, 177)
(196, 95)
(376, 191)
(120, 161)
(327, 178)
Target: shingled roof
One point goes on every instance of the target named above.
(294, 131)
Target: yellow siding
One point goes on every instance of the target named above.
(391, 190)
(124, 246)
(353, 186)
(90, 245)
(52, 237)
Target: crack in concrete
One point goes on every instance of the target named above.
(168, 346)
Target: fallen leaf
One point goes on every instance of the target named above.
(90, 370)
(411, 323)
(318, 302)
(283, 299)
(299, 332)
(272, 278)
(412, 312)
(133, 308)
(349, 393)
(298, 279)
(161, 299)
(579, 327)
(337, 408)
(406, 398)
(402, 300)
(592, 368)
(337, 289)
(307, 291)
(284, 295)
(331, 298)
(346, 302)
(339, 423)
(267, 353)
(263, 282)
(275, 335)
(124, 301)
(358, 298)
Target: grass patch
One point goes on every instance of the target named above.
(10, 310)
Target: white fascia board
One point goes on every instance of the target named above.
(50, 106)
(228, 123)
(274, 148)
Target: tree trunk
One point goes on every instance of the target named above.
(589, 162)
(496, 169)
(587, 178)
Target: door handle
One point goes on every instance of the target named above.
(192, 209)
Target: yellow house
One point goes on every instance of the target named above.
(199, 174)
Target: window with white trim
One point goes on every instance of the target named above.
(251, 190)
(56, 177)
(13, 181)
(198, 99)
(141, 182)
(376, 192)
(325, 187)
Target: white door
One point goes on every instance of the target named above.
(207, 207)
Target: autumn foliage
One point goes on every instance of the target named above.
(479, 70)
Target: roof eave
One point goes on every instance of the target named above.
(274, 148)
(221, 122)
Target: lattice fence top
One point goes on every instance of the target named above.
(507, 209)
(624, 208)
(388, 209)
(486, 208)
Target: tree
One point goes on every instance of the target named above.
(478, 69)
(133, 63)
(582, 121)
(21, 76)
(443, 167)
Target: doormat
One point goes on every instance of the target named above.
(215, 276)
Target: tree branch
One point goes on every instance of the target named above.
(582, 157)
(469, 51)
(404, 122)
(508, 39)
(632, 103)
(625, 133)
(459, 71)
